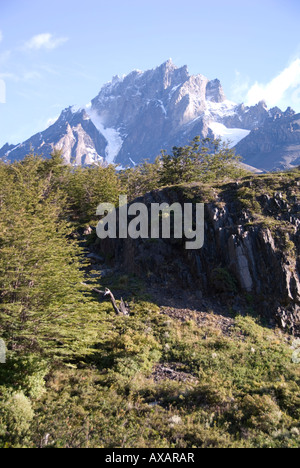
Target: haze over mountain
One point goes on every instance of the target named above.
(134, 117)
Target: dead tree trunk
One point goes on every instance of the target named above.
(119, 311)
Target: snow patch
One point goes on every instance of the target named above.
(14, 149)
(162, 107)
(112, 136)
(173, 90)
(75, 109)
(52, 121)
(120, 168)
(234, 135)
(220, 109)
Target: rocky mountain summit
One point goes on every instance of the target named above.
(134, 117)
(74, 133)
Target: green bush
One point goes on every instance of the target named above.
(16, 416)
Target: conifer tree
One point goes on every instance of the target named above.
(41, 299)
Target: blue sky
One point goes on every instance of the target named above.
(56, 53)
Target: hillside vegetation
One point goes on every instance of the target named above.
(176, 374)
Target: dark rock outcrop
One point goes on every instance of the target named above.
(238, 258)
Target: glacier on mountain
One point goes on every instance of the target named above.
(112, 136)
(232, 136)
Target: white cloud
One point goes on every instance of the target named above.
(2, 92)
(4, 57)
(31, 76)
(282, 91)
(51, 121)
(1, 35)
(45, 41)
(25, 76)
(10, 76)
(240, 87)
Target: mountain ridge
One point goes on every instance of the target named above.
(134, 117)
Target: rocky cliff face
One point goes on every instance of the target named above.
(274, 145)
(251, 248)
(74, 133)
(134, 117)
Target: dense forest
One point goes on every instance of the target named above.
(79, 375)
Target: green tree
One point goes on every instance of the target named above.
(141, 179)
(42, 306)
(202, 160)
(87, 187)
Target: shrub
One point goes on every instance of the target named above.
(16, 415)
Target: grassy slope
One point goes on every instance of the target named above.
(167, 377)
(158, 381)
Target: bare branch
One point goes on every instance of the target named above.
(119, 311)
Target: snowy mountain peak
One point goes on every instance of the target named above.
(136, 115)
